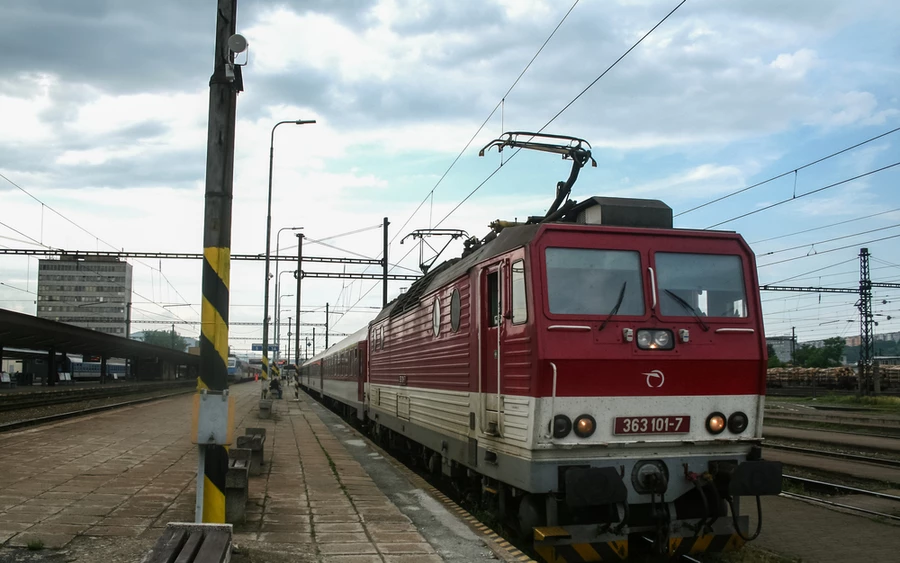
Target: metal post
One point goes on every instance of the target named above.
(128, 320)
(866, 344)
(793, 343)
(201, 467)
(289, 340)
(326, 326)
(213, 459)
(51, 368)
(384, 264)
(314, 341)
(103, 369)
(265, 350)
(297, 312)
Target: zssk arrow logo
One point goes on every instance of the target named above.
(655, 378)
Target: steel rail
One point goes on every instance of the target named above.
(838, 487)
(851, 457)
(840, 505)
(15, 425)
(26, 400)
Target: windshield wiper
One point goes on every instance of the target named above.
(688, 307)
(615, 309)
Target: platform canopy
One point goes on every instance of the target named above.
(26, 332)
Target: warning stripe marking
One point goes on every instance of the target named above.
(214, 370)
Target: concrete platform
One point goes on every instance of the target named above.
(105, 486)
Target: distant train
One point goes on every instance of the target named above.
(242, 367)
(79, 369)
(89, 371)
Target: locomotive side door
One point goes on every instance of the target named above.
(491, 321)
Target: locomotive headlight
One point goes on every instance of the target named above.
(562, 425)
(737, 422)
(585, 425)
(715, 423)
(662, 339)
(648, 339)
(644, 339)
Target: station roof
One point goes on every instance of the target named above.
(18, 330)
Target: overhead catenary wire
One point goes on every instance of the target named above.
(430, 194)
(805, 194)
(826, 226)
(565, 107)
(812, 271)
(780, 250)
(793, 171)
(17, 288)
(61, 215)
(827, 251)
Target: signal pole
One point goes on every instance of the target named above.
(212, 455)
(299, 275)
(793, 342)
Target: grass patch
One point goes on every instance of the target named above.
(880, 402)
(35, 545)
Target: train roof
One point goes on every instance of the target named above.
(351, 340)
(508, 239)
(618, 213)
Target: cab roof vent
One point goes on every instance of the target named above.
(624, 212)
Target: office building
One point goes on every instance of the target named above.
(92, 293)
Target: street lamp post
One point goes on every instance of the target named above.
(278, 284)
(277, 322)
(265, 346)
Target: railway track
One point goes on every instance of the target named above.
(24, 423)
(20, 401)
(813, 484)
(849, 421)
(833, 454)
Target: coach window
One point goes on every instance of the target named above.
(436, 316)
(519, 306)
(454, 310)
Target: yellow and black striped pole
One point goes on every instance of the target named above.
(213, 458)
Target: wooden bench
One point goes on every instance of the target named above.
(237, 481)
(254, 440)
(192, 543)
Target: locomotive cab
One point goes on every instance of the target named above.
(650, 379)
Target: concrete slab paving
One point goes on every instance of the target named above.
(104, 486)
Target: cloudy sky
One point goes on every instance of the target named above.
(103, 116)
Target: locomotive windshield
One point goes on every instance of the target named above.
(711, 284)
(588, 282)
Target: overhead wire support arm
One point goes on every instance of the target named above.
(809, 289)
(422, 234)
(180, 256)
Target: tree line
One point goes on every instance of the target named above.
(830, 354)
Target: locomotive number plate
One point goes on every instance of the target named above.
(652, 424)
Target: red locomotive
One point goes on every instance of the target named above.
(600, 372)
